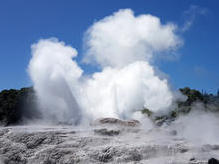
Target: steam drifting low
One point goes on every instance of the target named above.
(124, 46)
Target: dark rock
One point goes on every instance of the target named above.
(53, 156)
(209, 147)
(192, 159)
(213, 161)
(33, 140)
(107, 132)
(15, 159)
(12, 153)
(3, 132)
(133, 155)
(173, 132)
(106, 155)
(115, 121)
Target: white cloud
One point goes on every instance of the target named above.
(122, 38)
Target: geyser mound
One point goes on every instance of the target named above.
(124, 46)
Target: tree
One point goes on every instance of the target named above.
(15, 105)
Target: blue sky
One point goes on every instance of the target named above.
(24, 22)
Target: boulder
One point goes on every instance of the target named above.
(213, 161)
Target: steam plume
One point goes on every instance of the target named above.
(124, 47)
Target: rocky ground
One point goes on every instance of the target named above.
(104, 141)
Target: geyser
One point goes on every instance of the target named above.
(124, 47)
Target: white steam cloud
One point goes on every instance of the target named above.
(54, 75)
(198, 127)
(122, 38)
(123, 46)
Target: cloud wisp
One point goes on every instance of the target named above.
(190, 16)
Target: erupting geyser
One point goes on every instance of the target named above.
(124, 47)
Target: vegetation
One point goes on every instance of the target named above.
(208, 102)
(147, 112)
(14, 105)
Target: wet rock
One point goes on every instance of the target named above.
(3, 132)
(173, 132)
(133, 156)
(192, 159)
(209, 147)
(114, 121)
(14, 159)
(53, 155)
(107, 132)
(106, 155)
(33, 140)
(213, 161)
(11, 154)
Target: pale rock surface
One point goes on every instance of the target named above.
(115, 142)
